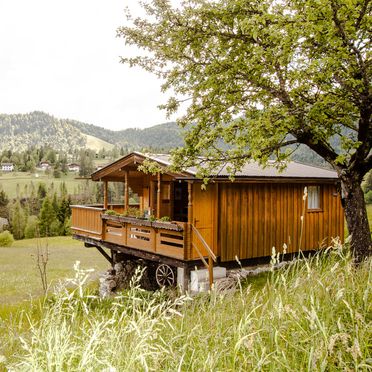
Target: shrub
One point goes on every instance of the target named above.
(6, 239)
(133, 212)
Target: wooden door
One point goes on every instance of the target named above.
(204, 212)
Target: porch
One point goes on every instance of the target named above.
(154, 218)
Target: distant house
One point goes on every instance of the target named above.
(73, 167)
(7, 167)
(44, 165)
(4, 223)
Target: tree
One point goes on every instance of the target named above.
(17, 220)
(31, 228)
(48, 223)
(261, 75)
(86, 163)
(4, 200)
(63, 215)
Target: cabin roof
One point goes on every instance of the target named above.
(251, 169)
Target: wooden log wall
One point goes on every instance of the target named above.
(255, 217)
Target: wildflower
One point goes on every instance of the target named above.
(305, 193)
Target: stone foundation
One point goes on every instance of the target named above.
(119, 278)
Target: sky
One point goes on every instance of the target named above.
(62, 57)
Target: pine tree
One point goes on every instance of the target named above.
(63, 215)
(18, 220)
(3, 204)
(48, 224)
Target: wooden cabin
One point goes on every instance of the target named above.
(243, 219)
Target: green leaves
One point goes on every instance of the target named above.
(261, 73)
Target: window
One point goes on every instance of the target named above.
(313, 197)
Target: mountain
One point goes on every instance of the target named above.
(161, 137)
(20, 131)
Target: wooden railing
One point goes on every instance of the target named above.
(134, 233)
(87, 221)
(147, 238)
(211, 256)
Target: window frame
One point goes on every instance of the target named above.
(320, 196)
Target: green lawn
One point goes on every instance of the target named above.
(9, 182)
(369, 212)
(19, 277)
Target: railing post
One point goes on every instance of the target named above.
(103, 237)
(210, 270)
(188, 254)
(126, 191)
(105, 194)
(158, 206)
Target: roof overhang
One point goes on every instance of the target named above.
(131, 162)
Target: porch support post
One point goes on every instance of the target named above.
(126, 191)
(105, 194)
(190, 214)
(158, 206)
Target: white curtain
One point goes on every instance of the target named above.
(313, 197)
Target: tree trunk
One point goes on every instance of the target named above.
(356, 218)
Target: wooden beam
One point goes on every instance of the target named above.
(104, 254)
(210, 271)
(105, 194)
(188, 248)
(151, 195)
(126, 191)
(158, 206)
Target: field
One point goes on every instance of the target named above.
(19, 276)
(97, 144)
(9, 182)
(302, 318)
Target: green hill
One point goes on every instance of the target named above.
(21, 131)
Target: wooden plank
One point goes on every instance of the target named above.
(249, 228)
(222, 220)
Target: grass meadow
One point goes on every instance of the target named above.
(9, 182)
(312, 315)
(19, 276)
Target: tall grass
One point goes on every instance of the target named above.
(313, 314)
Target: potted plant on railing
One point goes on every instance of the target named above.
(166, 223)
